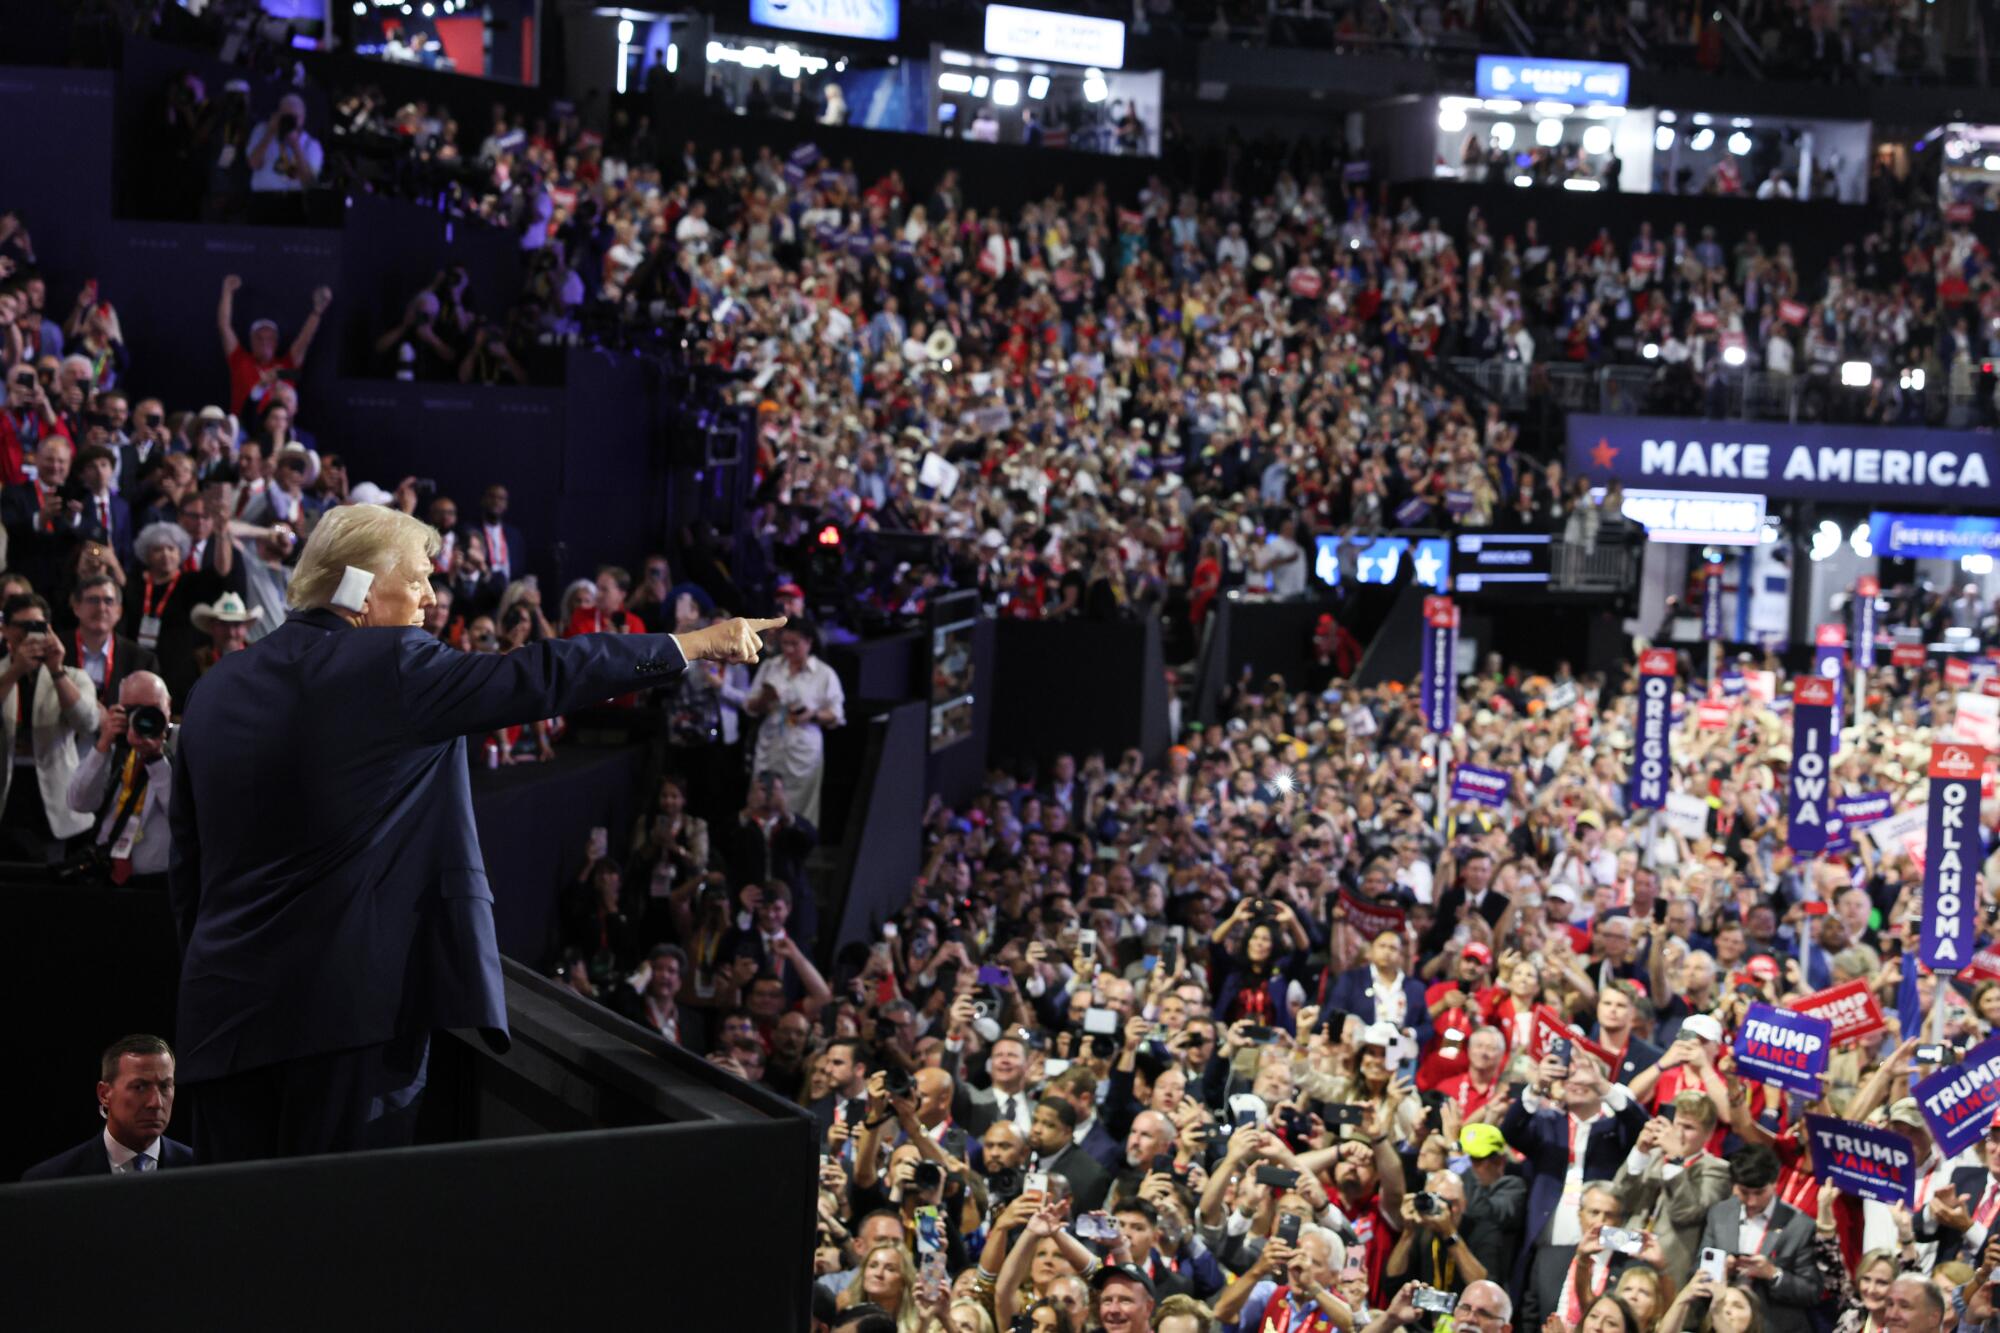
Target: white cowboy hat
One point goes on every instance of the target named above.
(228, 609)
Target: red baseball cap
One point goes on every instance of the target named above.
(1763, 967)
(790, 590)
(1478, 952)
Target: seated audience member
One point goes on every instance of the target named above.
(135, 1094)
(96, 648)
(126, 784)
(50, 718)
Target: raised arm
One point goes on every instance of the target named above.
(225, 314)
(322, 297)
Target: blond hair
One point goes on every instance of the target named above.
(376, 538)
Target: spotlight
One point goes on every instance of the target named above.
(1451, 120)
(953, 82)
(1825, 540)
(1651, 351)
(1503, 136)
(1861, 540)
(1548, 133)
(1597, 140)
(1739, 143)
(1856, 374)
(1733, 356)
(1006, 92)
(1663, 139)
(1038, 87)
(1703, 140)
(1913, 379)
(1977, 563)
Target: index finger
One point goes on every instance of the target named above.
(760, 626)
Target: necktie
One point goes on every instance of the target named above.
(1006, 1108)
(1989, 1205)
(104, 515)
(142, 1163)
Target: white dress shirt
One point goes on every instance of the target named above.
(1751, 1230)
(154, 840)
(124, 1160)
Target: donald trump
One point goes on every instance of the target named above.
(326, 879)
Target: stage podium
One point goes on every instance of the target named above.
(593, 1174)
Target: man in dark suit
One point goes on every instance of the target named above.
(96, 648)
(1475, 874)
(1549, 1265)
(1139, 1221)
(44, 522)
(1769, 1241)
(1617, 1011)
(1050, 1140)
(1361, 991)
(135, 1093)
(1006, 1096)
(769, 842)
(506, 549)
(322, 950)
(107, 517)
(1570, 1118)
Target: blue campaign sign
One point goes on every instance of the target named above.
(1439, 678)
(1957, 1101)
(1378, 560)
(1789, 462)
(1867, 1162)
(1814, 729)
(1711, 604)
(870, 20)
(1856, 811)
(1953, 850)
(1487, 786)
(1783, 1049)
(1647, 781)
(1933, 536)
(1531, 78)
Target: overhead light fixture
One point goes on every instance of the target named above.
(1861, 540)
(1501, 106)
(1038, 87)
(1667, 118)
(1581, 185)
(1548, 133)
(1703, 140)
(1739, 143)
(1451, 120)
(1555, 108)
(1597, 140)
(624, 27)
(1976, 563)
(673, 57)
(429, 9)
(1007, 65)
(955, 83)
(360, 8)
(954, 57)
(1825, 540)
(1857, 374)
(1523, 182)
(1095, 89)
(1701, 118)
(980, 83)
(1663, 139)
(1503, 135)
(1006, 92)
(1734, 356)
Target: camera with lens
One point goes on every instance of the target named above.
(1429, 1204)
(146, 722)
(898, 1083)
(926, 1176)
(287, 123)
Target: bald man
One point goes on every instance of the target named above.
(126, 783)
(1915, 1305)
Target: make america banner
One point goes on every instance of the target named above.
(1789, 462)
(1813, 724)
(1952, 852)
(1867, 1162)
(1648, 782)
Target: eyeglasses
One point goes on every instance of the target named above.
(29, 626)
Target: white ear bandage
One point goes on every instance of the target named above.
(352, 594)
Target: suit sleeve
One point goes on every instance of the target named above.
(1797, 1283)
(184, 853)
(447, 693)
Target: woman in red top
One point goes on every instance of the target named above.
(1206, 583)
(608, 614)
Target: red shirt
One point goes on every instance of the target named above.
(1490, 1007)
(1472, 1098)
(246, 374)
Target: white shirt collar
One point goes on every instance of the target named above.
(120, 1154)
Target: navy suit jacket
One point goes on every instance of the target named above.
(90, 1159)
(348, 904)
(1543, 1138)
(120, 537)
(1354, 993)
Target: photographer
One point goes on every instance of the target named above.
(1430, 1248)
(126, 782)
(283, 157)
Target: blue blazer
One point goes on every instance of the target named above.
(325, 876)
(1354, 993)
(1543, 1138)
(90, 1159)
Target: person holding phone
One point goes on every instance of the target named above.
(1769, 1242)
(798, 698)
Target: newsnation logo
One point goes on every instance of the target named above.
(1787, 461)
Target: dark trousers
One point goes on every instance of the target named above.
(24, 821)
(343, 1101)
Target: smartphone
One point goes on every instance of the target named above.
(1258, 1034)
(1170, 955)
(1279, 1177)
(996, 976)
(1341, 1113)
(1715, 1263)
(1086, 946)
(930, 1230)
(1432, 1301)
(1660, 911)
(1163, 1161)
(1288, 1225)
(1623, 1240)
(1055, 1068)
(1100, 1022)
(1931, 1053)
(1891, 947)
(1561, 1049)
(1035, 1182)
(888, 930)
(1097, 1226)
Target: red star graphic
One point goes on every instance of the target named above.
(1604, 453)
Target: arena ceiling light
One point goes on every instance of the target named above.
(1734, 355)
(1739, 143)
(1663, 139)
(1703, 141)
(1006, 92)
(1038, 87)
(1549, 133)
(1451, 119)
(952, 82)
(1503, 136)
(1856, 374)
(1095, 89)
(1825, 540)
(1861, 542)
(1597, 140)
